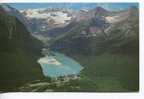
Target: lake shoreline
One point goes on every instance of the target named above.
(55, 65)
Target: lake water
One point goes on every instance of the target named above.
(57, 64)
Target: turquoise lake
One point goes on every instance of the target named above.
(57, 64)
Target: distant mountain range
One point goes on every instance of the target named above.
(54, 26)
(59, 28)
(50, 22)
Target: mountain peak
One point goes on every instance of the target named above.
(100, 10)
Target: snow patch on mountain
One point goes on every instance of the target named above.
(118, 17)
(58, 17)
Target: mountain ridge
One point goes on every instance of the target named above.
(19, 52)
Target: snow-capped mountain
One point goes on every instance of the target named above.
(58, 25)
(52, 22)
(42, 20)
